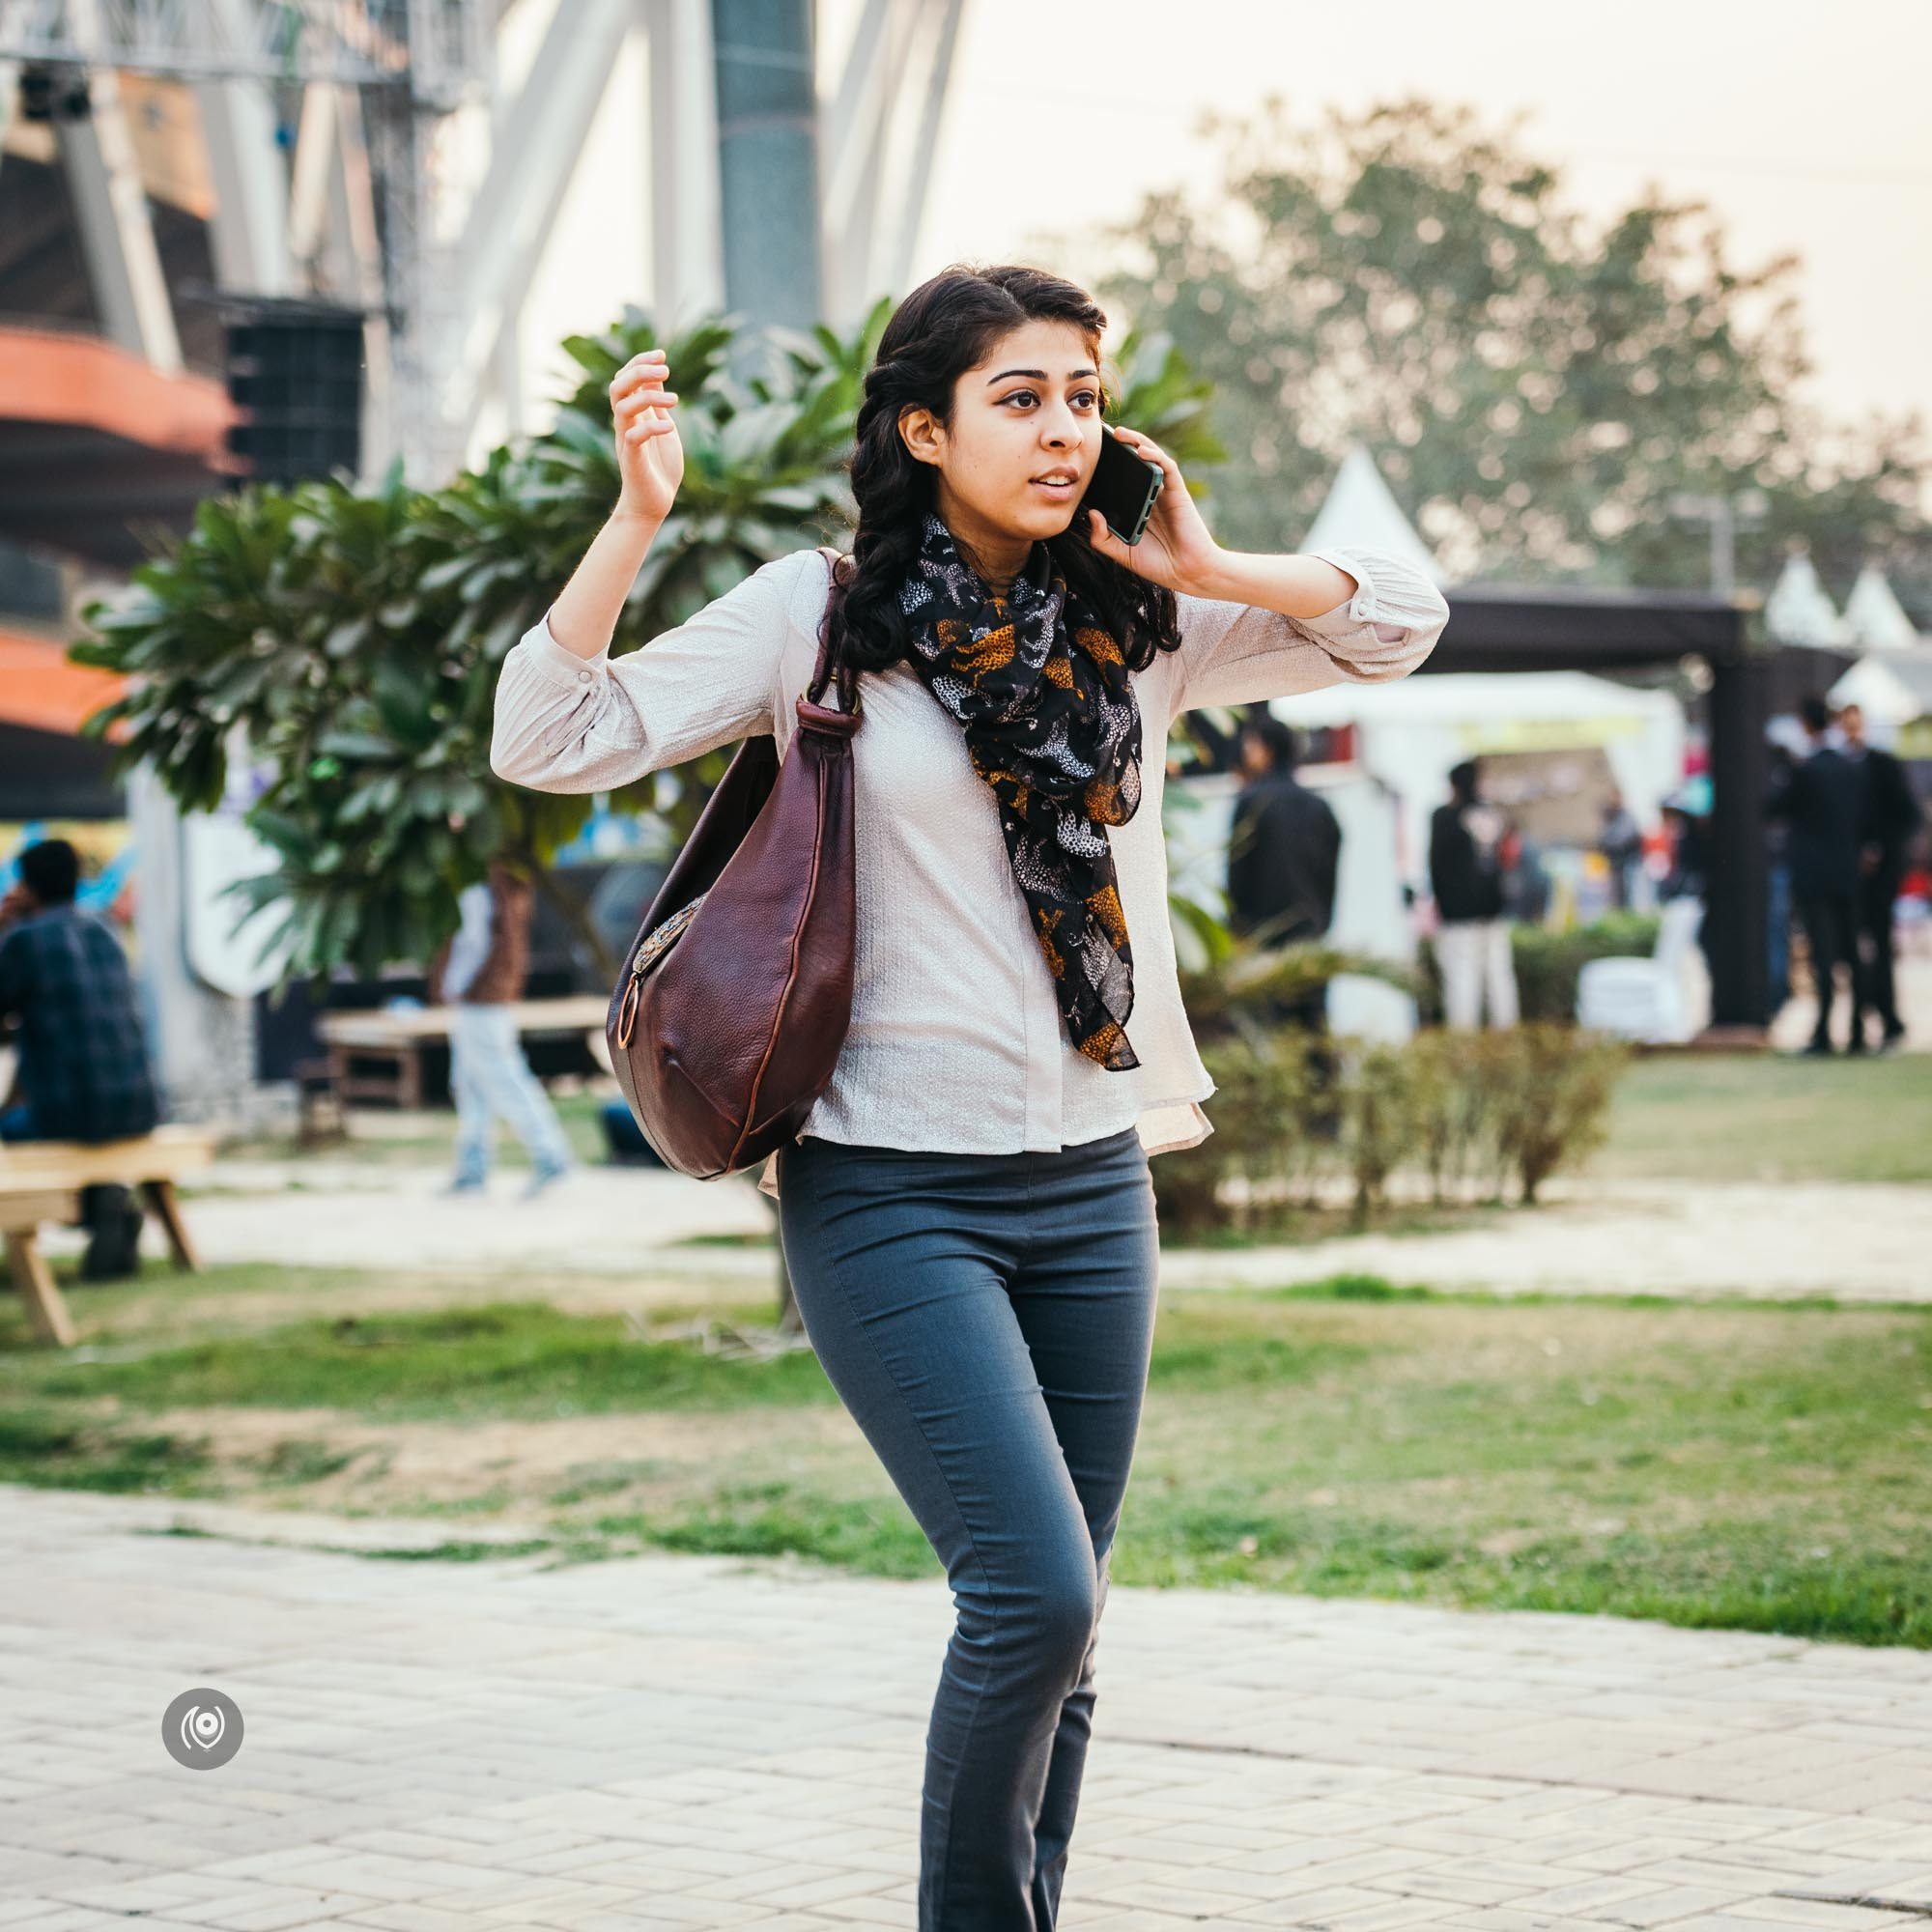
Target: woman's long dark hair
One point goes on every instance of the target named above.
(944, 327)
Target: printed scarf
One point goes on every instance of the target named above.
(1053, 728)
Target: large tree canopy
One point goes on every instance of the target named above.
(1535, 385)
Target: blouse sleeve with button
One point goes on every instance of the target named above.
(569, 723)
(1243, 654)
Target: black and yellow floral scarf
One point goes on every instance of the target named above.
(1052, 726)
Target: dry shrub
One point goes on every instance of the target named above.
(1458, 1112)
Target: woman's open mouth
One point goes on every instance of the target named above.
(1055, 485)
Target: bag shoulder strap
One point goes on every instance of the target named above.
(848, 678)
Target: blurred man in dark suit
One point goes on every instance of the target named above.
(1890, 821)
(1823, 800)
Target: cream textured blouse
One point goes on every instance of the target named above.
(956, 1040)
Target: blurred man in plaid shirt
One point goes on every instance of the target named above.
(67, 1002)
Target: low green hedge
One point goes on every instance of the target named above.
(1496, 1111)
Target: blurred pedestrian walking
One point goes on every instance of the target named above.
(481, 972)
(1466, 876)
(1620, 840)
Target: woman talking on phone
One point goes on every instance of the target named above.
(967, 1216)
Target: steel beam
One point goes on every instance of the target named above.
(925, 143)
(535, 144)
(768, 159)
(249, 233)
(110, 208)
(687, 247)
(881, 132)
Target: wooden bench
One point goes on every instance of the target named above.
(394, 1040)
(23, 1207)
(41, 1182)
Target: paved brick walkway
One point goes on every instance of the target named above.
(678, 1741)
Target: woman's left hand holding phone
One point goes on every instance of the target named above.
(1176, 549)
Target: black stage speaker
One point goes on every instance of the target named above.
(296, 368)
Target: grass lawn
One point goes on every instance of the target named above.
(1727, 1464)
(1772, 1119)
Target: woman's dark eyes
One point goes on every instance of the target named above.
(1018, 393)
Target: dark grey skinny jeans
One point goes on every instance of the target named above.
(988, 1319)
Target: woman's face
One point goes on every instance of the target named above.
(1027, 413)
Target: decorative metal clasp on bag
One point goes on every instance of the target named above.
(650, 949)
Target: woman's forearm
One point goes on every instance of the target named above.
(1296, 587)
(585, 614)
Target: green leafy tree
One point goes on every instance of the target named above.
(354, 639)
(1535, 385)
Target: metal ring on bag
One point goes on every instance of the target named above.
(627, 1014)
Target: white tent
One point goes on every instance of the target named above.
(1410, 734)
(1892, 687)
(1800, 610)
(1875, 616)
(1361, 509)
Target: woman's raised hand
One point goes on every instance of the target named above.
(650, 458)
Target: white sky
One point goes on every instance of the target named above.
(1808, 129)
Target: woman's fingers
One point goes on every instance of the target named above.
(1106, 539)
(644, 380)
(642, 396)
(645, 399)
(639, 372)
(640, 405)
(652, 414)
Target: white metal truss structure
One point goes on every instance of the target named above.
(880, 127)
(359, 210)
(374, 76)
(431, 47)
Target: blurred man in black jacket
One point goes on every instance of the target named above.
(1284, 848)
(1284, 851)
(1892, 819)
(1823, 800)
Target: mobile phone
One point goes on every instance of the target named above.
(1122, 489)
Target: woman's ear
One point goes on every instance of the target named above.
(922, 432)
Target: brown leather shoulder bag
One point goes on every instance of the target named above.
(736, 993)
